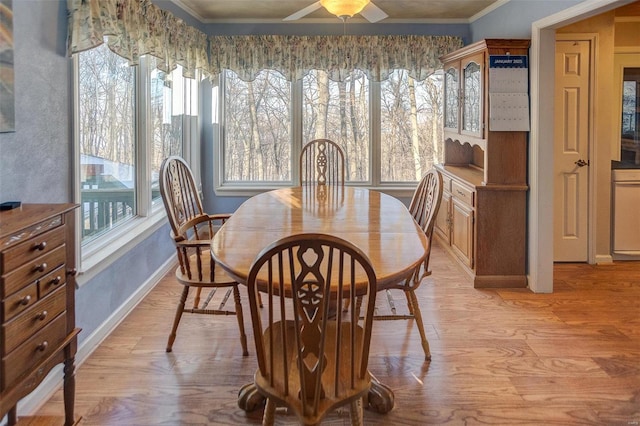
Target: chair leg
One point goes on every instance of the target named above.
(243, 336)
(357, 416)
(196, 300)
(176, 321)
(269, 413)
(418, 318)
(345, 306)
(409, 302)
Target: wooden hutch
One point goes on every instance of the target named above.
(482, 218)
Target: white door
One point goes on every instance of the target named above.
(571, 145)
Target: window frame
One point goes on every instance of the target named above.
(95, 256)
(242, 189)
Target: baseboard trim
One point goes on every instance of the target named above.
(30, 404)
(602, 259)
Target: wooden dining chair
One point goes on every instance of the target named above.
(322, 162)
(424, 207)
(312, 359)
(191, 231)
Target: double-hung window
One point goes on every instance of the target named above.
(390, 131)
(128, 119)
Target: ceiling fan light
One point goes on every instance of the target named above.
(342, 8)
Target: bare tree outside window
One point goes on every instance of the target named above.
(411, 126)
(339, 111)
(167, 111)
(106, 85)
(257, 128)
(258, 118)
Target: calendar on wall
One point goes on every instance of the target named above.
(508, 93)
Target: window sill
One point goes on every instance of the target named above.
(116, 245)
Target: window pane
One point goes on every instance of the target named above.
(257, 128)
(339, 111)
(166, 111)
(107, 138)
(411, 123)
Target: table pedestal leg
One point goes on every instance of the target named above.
(249, 399)
(381, 398)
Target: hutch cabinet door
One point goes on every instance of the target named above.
(452, 97)
(472, 105)
(462, 232)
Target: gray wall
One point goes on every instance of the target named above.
(36, 160)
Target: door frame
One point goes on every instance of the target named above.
(592, 38)
(540, 226)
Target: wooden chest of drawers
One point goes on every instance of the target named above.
(37, 311)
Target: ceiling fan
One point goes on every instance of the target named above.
(343, 9)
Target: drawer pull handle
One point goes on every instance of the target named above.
(25, 300)
(42, 315)
(42, 346)
(42, 267)
(56, 280)
(41, 246)
(460, 192)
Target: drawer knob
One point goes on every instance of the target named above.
(42, 346)
(25, 300)
(41, 246)
(42, 315)
(56, 280)
(72, 272)
(42, 267)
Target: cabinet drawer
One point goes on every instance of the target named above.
(462, 194)
(32, 352)
(33, 319)
(53, 280)
(33, 270)
(31, 249)
(20, 301)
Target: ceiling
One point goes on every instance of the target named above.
(406, 11)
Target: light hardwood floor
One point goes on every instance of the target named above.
(499, 357)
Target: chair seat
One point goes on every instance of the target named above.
(221, 278)
(332, 396)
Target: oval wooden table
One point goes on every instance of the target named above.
(380, 225)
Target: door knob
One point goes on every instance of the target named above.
(581, 163)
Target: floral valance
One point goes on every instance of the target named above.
(133, 28)
(294, 56)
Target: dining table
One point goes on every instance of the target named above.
(377, 223)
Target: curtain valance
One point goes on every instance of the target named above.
(294, 56)
(133, 28)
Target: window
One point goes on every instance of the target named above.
(129, 119)
(107, 130)
(339, 111)
(265, 122)
(411, 123)
(167, 109)
(257, 127)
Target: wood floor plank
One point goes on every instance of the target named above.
(499, 357)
